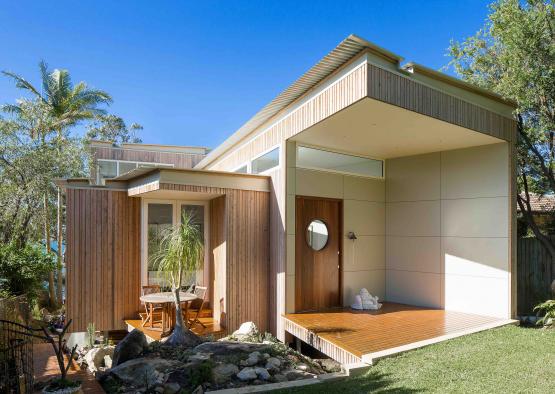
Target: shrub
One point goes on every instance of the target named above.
(548, 308)
(23, 269)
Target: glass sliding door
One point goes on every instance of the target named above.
(160, 219)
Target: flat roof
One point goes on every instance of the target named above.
(153, 147)
(347, 50)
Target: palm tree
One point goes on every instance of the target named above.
(65, 105)
(180, 253)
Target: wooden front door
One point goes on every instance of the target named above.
(317, 266)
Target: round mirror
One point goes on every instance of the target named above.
(317, 234)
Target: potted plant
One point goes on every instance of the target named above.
(61, 384)
(181, 252)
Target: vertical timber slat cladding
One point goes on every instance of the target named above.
(392, 88)
(103, 265)
(178, 159)
(240, 219)
(218, 258)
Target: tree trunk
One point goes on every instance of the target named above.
(51, 289)
(181, 334)
(60, 242)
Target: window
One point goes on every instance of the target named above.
(107, 169)
(125, 167)
(159, 216)
(338, 162)
(160, 219)
(242, 170)
(265, 162)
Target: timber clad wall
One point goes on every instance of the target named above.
(179, 160)
(414, 96)
(103, 258)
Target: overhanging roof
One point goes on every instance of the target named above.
(347, 50)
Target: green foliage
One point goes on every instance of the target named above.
(91, 334)
(514, 55)
(112, 128)
(23, 269)
(546, 308)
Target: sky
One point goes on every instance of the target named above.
(191, 73)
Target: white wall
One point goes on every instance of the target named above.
(363, 213)
(447, 226)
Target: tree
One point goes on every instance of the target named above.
(514, 55)
(64, 105)
(112, 128)
(180, 253)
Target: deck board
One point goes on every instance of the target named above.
(395, 325)
(212, 328)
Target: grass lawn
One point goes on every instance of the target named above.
(505, 360)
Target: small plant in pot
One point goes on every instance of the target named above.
(61, 384)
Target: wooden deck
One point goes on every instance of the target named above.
(212, 328)
(362, 336)
(46, 367)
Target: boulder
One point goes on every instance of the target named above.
(252, 360)
(329, 365)
(172, 388)
(223, 373)
(130, 347)
(95, 357)
(279, 378)
(273, 364)
(246, 332)
(108, 361)
(223, 348)
(262, 373)
(144, 371)
(247, 374)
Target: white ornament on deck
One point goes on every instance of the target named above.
(366, 301)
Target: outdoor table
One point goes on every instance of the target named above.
(167, 301)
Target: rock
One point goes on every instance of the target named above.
(198, 390)
(224, 348)
(302, 367)
(273, 364)
(293, 375)
(130, 347)
(265, 356)
(199, 357)
(159, 389)
(95, 357)
(247, 374)
(254, 358)
(262, 373)
(144, 371)
(280, 378)
(329, 365)
(108, 361)
(222, 373)
(171, 388)
(246, 330)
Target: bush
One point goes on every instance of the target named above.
(548, 309)
(23, 269)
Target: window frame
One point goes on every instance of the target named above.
(137, 164)
(176, 216)
(297, 146)
(265, 172)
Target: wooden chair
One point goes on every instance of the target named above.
(153, 312)
(195, 308)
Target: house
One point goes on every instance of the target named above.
(364, 173)
(542, 208)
